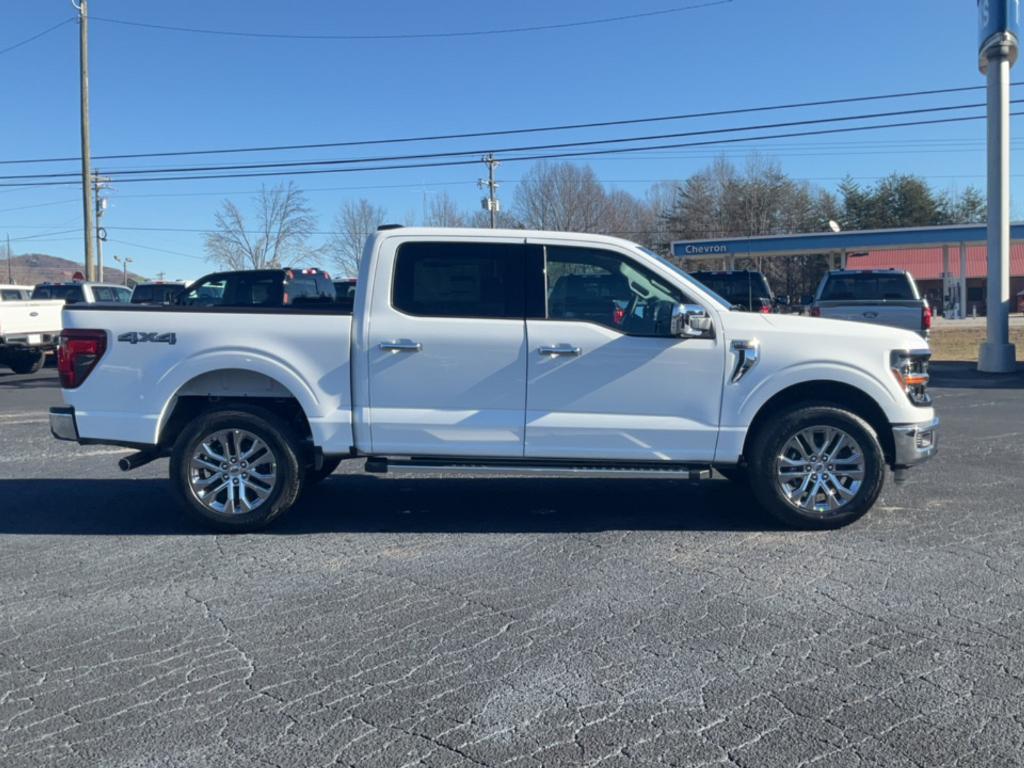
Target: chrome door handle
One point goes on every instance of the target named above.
(560, 349)
(400, 346)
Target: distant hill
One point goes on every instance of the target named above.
(32, 268)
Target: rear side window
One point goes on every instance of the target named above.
(70, 293)
(10, 295)
(483, 280)
(868, 287)
(240, 289)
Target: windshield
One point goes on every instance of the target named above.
(686, 277)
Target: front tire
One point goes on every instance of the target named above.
(236, 470)
(817, 467)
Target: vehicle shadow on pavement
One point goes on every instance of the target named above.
(965, 375)
(350, 503)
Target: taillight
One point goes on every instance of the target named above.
(815, 312)
(766, 309)
(618, 315)
(926, 319)
(77, 355)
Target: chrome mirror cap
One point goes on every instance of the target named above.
(691, 321)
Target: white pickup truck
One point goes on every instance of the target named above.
(499, 351)
(878, 296)
(28, 329)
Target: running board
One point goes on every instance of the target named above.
(674, 471)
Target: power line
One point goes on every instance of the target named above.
(120, 174)
(418, 35)
(511, 131)
(519, 158)
(36, 36)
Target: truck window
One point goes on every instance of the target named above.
(483, 280)
(868, 286)
(10, 295)
(71, 294)
(606, 288)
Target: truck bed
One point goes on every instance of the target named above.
(157, 354)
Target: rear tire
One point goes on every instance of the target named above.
(26, 362)
(314, 476)
(236, 470)
(816, 467)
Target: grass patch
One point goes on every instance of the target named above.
(961, 344)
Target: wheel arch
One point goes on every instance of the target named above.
(225, 388)
(831, 393)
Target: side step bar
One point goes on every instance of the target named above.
(380, 465)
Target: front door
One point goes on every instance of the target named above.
(447, 350)
(605, 378)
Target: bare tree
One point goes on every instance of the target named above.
(561, 196)
(355, 221)
(282, 223)
(440, 210)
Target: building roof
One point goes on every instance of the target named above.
(926, 263)
(836, 242)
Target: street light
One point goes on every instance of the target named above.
(126, 260)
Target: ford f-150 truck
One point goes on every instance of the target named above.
(499, 351)
(879, 296)
(28, 329)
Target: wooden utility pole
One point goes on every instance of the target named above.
(87, 210)
(10, 262)
(491, 202)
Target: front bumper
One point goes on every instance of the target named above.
(62, 423)
(915, 443)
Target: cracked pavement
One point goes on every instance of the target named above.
(455, 622)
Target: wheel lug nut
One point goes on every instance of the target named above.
(235, 481)
(245, 476)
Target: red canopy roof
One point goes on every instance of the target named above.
(926, 263)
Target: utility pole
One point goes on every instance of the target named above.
(126, 261)
(82, 6)
(10, 262)
(99, 184)
(491, 202)
(999, 26)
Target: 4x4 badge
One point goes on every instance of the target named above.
(134, 337)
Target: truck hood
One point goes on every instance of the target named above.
(895, 338)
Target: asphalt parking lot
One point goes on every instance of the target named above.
(465, 622)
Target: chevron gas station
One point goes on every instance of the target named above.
(949, 264)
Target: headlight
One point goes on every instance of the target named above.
(910, 367)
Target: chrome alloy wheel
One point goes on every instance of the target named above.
(232, 472)
(820, 470)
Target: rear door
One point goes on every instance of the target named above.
(446, 348)
(606, 380)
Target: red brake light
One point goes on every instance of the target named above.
(926, 318)
(815, 312)
(77, 355)
(766, 309)
(618, 315)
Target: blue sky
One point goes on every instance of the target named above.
(155, 90)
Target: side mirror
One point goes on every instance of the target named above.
(691, 321)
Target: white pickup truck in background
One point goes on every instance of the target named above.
(499, 351)
(28, 329)
(879, 296)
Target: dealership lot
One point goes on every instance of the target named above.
(464, 622)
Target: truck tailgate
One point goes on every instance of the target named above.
(898, 314)
(29, 318)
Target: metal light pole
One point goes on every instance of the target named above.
(999, 25)
(82, 7)
(126, 261)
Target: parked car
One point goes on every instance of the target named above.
(345, 289)
(28, 329)
(82, 292)
(157, 292)
(483, 351)
(277, 287)
(744, 289)
(878, 296)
